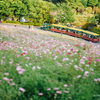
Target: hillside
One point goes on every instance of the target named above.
(35, 66)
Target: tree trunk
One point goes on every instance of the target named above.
(15, 18)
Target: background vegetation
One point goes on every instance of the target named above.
(76, 12)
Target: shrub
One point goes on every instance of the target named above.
(23, 23)
(96, 30)
(7, 21)
(89, 26)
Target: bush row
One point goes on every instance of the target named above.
(23, 23)
(96, 30)
(92, 27)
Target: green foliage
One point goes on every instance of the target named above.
(56, 1)
(96, 30)
(64, 13)
(23, 23)
(7, 21)
(89, 26)
(99, 4)
(36, 11)
(92, 20)
(84, 3)
(91, 23)
(92, 3)
(98, 18)
(4, 11)
(39, 11)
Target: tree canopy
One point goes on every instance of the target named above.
(64, 13)
(39, 11)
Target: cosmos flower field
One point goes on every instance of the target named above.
(36, 66)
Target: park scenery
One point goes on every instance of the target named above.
(37, 63)
(36, 66)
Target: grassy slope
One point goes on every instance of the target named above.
(46, 67)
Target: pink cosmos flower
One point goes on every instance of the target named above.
(98, 60)
(66, 91)
(22, 89)
(82, 61)
(40, 94)
(30, 63)
(65, 85)
(65, 59)
(11, 79)
(18, 55)
(71, 49)
(5, 78)
(20, 70)
(84, 57)
(3, 57)
(11, 62)
(91, 69)
(33, 68)
(78, 76)
(68, 53)
(6, 73)
(75, 66)
(55, 57)
(95, 79)
(28, 58)
(98, 79)
(59, 64)
(24, 49)
(56, 88)
(81, 69)
(87, 65)
(86, 73)
(49, 89)
(59, 92)
(53, 54)
(12, 84)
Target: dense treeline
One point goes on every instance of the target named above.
(33, 10)
(52, 11)
(84, 2)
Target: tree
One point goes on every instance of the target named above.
(12, 8)
(17, 9)
(39, 12)
(98, 18)
(4, 9)
(91, 23)
(84, 3)
(56, 1)
(64, 13)
(92, 3)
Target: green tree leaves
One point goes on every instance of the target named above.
(64, 13)
(40, 11)
(92, 3)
